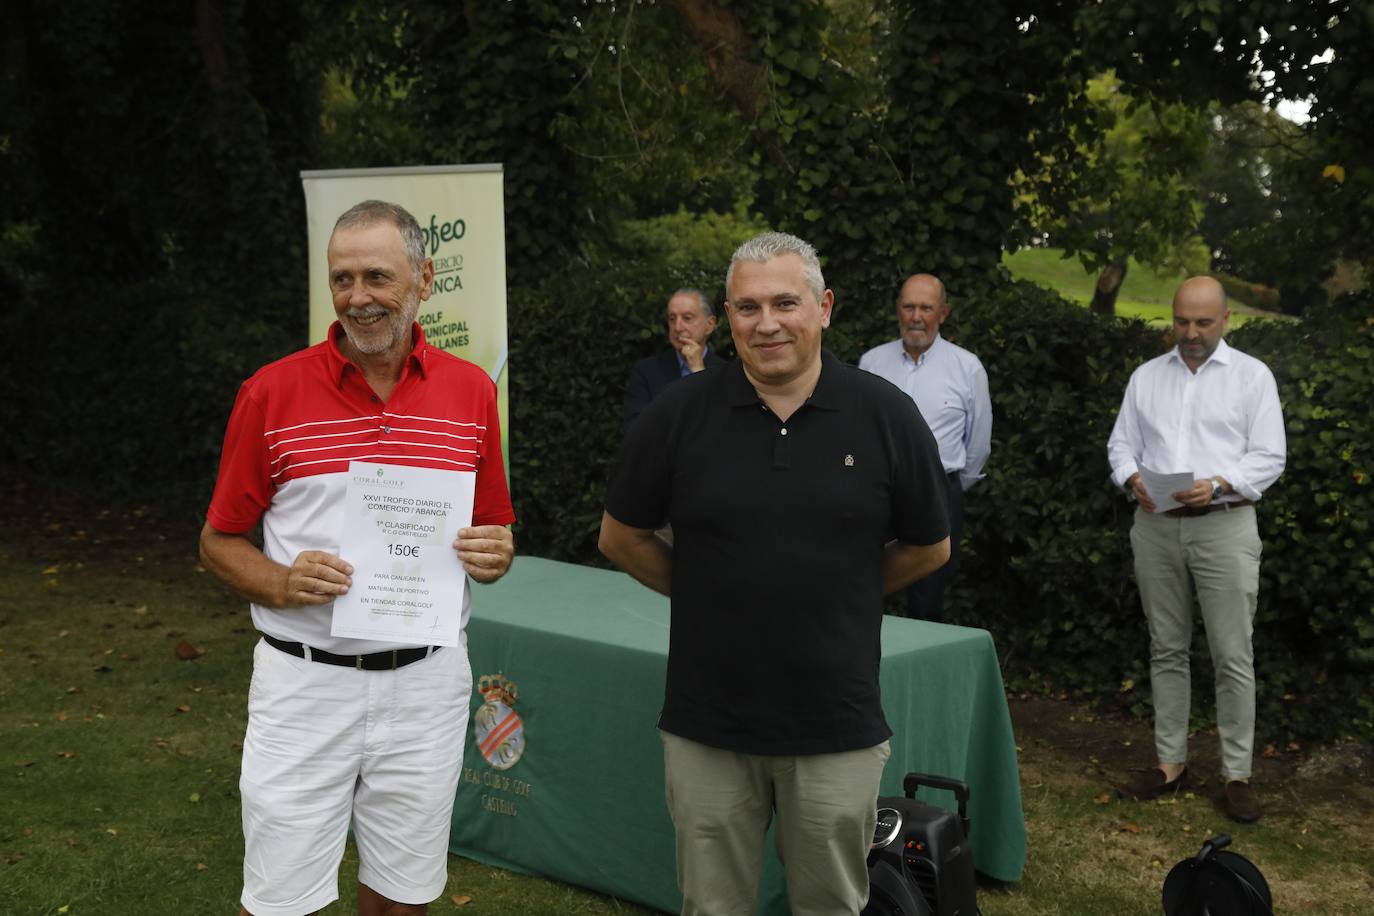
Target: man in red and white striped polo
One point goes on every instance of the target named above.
(348, 731)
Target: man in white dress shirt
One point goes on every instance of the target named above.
(1213, 412)
(950, 388)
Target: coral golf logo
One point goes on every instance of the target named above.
(497, 726)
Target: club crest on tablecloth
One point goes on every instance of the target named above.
(497, 726)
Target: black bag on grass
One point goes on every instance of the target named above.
(1217, 883)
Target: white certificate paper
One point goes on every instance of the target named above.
(1162, 487)
(399, 526)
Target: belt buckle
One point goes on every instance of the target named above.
(394, 666)
(358, 662)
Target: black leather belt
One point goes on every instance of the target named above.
(373, 661)
(1195, 511)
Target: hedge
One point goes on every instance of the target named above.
(1046, 560)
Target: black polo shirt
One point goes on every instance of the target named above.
(778, 536)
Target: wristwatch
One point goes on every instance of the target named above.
(1217, 490)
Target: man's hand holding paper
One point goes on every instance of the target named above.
(1158, 492)
(486, 551)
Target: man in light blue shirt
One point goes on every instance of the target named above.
(950, 388)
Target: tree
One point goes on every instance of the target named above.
(1134, 194)
(152, 157)
(1266, 50)
(1261, 219)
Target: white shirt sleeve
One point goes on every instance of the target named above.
(1266, 450)
(977, 428)
(1125, 445)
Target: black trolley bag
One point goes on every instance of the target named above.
(920, 862)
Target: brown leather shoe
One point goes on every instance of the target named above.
(1241, 803)
(1150, 784)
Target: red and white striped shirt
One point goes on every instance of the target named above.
(297, 424)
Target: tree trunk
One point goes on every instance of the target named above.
(1108, 286)
(729, 57)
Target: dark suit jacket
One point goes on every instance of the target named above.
(651, 375)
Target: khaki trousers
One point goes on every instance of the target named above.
(1218, 555)
(721, 803)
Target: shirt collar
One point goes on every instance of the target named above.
(827, 396)
(1221, 355)
(340, 366)
(907, 358)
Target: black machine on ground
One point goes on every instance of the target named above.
(1217, 882)
(920, 862)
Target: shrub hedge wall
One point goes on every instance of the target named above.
(1046, 561)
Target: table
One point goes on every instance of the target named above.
(563, 767)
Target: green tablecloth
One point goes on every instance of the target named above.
(579, 655)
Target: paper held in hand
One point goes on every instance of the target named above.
(399, 527)
(1162, 487)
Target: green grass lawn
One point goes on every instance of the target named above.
(121, 761)
(1145, 294)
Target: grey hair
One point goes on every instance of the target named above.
(371, 212)
(707, 309)
(763, 248)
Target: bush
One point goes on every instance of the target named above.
(1047, 563)
(573, 340)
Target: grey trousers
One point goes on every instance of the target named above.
(721, 803)
(1218, 555)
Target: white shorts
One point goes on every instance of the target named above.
(327, 745)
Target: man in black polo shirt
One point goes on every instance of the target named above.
(800, 491)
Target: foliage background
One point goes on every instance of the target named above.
(151, 251)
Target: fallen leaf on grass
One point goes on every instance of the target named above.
(461, 899)
(1127, 684)
(1270, 752)
(66, 755)
(184, 707)
(141, 610)
(73, 690)
(111, 831)
(201, 866)
(194, 797)
(1130, 827)
(71, 842)
(23, 763)
(12, 858)
(187, 652)
(50, 571)
(1293, 747)
(1102, 799)
(65, 908)
(28, 831)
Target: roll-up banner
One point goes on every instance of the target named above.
(461, 211)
